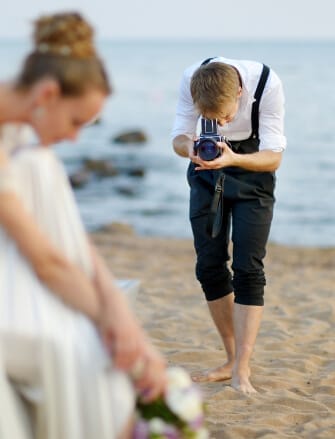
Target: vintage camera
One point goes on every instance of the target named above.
(206, 146)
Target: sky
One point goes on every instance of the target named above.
(184, 19)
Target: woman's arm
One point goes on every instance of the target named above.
(123, 335)
(121, 331)
(50, 266)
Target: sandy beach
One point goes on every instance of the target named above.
(293, 367)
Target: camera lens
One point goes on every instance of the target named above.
(208, 150)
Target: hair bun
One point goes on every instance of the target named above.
(66, 34)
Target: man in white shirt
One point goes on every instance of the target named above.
(246, 100)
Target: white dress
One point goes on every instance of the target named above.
(56, 379)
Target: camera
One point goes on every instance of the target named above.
(206, 146)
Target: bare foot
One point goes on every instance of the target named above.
(241, 383)
(221, 373)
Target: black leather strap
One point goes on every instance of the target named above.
(215, 214)
(255, 106)
(207, 60)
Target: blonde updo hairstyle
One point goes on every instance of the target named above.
(213, 86)
(64, 50)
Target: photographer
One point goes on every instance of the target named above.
(243, 103)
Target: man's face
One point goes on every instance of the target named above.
(227, 113)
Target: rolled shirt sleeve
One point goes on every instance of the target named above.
(186, 119)
(271, 116)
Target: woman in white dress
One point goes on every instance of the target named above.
(68, 339)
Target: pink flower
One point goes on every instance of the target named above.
(141, 430)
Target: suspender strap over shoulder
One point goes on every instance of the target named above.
(207, 61)
(255, 106)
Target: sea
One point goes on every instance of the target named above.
(145, 77)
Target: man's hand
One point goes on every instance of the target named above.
(227, 158)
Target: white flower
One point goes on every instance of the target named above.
(201, 434)
(184, 399)
(185, 404)
(178, 378)
(156, 425)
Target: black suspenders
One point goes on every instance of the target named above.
(207, 61)
(255, 105)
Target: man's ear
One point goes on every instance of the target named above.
(45, 92)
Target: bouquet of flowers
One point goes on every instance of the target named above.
(177, 415)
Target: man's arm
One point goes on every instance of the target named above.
(185, 123)
(261, 161)
(183, 146)
(271, 117)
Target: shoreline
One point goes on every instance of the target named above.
(292, 367)
(124, 229)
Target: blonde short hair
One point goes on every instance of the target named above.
(213, 86)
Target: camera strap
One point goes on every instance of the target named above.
(215, 215)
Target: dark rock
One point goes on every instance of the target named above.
(135, 136)
(136, 172)
(105, 168)
(80, 178)
(101, 168)
(127, 190)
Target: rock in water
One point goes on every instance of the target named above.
(80, 178)
(102, 168)
(135, 136)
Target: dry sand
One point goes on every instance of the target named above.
(293, 366)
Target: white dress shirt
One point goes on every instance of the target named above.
(271, 109)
